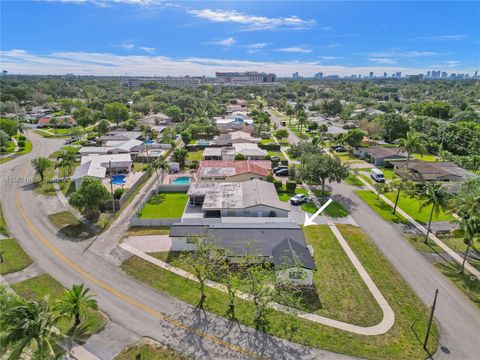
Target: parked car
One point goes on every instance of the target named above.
(298, 199)
(340, 149)
(377, 175)
(275, 158)
(69, 141)
(282, 172)
(280, 167)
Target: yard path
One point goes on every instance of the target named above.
(457, 317)
(423, 230)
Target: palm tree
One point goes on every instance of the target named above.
(302, 119)
(413, 143)
(75, 303)
(470, 227)
(29, 325)
(160, 164)
(437, 197)
(65, 159)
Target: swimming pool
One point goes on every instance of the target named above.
(181, 180)
(118, 179)
(149, 142)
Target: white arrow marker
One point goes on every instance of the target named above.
(309, 220)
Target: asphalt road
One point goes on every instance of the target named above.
(458, 319)
(292, 138)
(138, 309)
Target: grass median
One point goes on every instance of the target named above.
(379, 206)
(347, 301)
(13, 257)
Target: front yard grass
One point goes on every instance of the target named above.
(195, 155)
(149, 351)
(467, 283)
(379, 206)
(13, 257)
(352, 180)
(411, 205)
(165, 205)
(426, 157)
(150, 230)
(276, 153)
(398, 343)
(70, 226)
(3, 224)
(43, 285)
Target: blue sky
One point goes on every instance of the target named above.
(152, 37)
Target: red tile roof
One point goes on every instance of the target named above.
(259, 167)
(44, 120)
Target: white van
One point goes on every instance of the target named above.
(377, 175)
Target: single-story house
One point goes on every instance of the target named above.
(100, 165)
(378, 154)
(234, 138)
(420, 170)
(233, 170)
(132, 146)
(252, 198)
(282, 245)
(119, 136)
(248, 150)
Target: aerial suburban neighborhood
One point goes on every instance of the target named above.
(242, 211)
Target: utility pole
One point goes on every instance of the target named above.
(111, 184)
(430, 320)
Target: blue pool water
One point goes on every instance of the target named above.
(118, 179)
(181, 180)
(148, 142)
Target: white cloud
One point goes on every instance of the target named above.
(452, 37)
(18, 61)
(150, 50)
(255, 48)
(295, 49)
(252, 22)
(382, 61)
(230, 41)
(128, 46)
(331, 57)
(403, 54)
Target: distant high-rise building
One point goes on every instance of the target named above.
(476, 74)
(244, 78)
(444, 75)
(370, 75)
(398, 74)
(296, 75)
(318, 75)
(429, 73)
(384, 75)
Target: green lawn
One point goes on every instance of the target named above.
(276, 153)
(70, 226)
(426, 157)
(284, 196)
(266, 141)
(346, 298)
(150, 230)
(44, 285)
(418, 242)
(3, 224)
(27, 149)
(411, 205)
(366, 178)
(14, 258)
(165, 205)
(195, 155)
(348, 157)
(45, 187)
(468, 284)
(149, 352)
(352, 180)
(9, 148)
(382, 209)
(138, 166)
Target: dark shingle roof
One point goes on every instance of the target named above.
(283, 243)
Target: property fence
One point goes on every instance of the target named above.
(125, 197)
(135, 221)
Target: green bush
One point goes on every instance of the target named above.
(278, 184)
(117, 194)
(291, 186)
(22, 137)
(270, 178)
(21, 144)
(270, 147)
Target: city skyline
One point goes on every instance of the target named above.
(149, 37)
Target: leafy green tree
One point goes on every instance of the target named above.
(75, 303)
(65, 160)
(281, 134)
(116, 112)
(396, 126)
(175, 113)
(186, 136)
(301, 120)
(470, 227)
(29, 327)
(320, 168)
(102, 127)
(332, 107)
(180, 155)
(89, 197)
(4, 139)
(9, 126)
(40, 164)
(413, 143)
(354, 137)
(83, 116)
(261, 294)
(434, 195)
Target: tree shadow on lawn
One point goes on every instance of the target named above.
(158, 199)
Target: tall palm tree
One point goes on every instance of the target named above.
(29, 326)
(160, 164)
(470, 227)
(434, 195)
(302, 119)
(413, 143)
(75, 303)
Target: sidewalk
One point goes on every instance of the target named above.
(423, 230)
